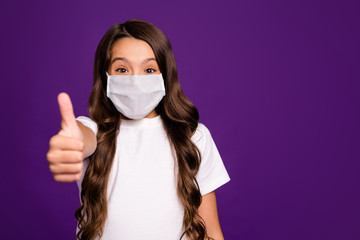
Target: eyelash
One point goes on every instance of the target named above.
(152, 70)
(121, 70)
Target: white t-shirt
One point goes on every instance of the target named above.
(142, 196)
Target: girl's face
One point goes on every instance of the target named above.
(130, 56)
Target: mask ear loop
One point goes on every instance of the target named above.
(107, 84)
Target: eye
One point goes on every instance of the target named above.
(150, 70)
(121, 70)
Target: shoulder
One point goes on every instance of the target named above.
(200, 132)
(202, 137)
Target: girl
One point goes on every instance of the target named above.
(145, 167)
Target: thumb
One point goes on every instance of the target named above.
(67, 113)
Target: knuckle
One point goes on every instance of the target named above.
(52, 156)
(49, 156)
(52, 141)
(52, 168)
(57, 178)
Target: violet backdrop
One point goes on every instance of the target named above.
(276, 82)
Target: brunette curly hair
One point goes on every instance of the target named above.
(180, 119)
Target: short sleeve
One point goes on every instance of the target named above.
(212, 173)
(88, 123)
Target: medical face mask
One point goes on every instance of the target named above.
(135, 96)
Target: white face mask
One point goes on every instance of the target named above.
(135, 96)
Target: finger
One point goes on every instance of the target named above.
(68, 168)
(67, 177)
(66, 143)
(66, 111)
(65, 156)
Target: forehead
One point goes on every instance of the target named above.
(131, 48)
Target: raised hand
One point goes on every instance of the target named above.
(66, 150)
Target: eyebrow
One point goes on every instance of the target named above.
(125, 60)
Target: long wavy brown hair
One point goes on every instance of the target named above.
(180, 119)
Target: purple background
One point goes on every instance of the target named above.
(276, 82)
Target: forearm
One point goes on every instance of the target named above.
(90, 141)
(208, 212)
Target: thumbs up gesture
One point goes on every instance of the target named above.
(66, 151)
